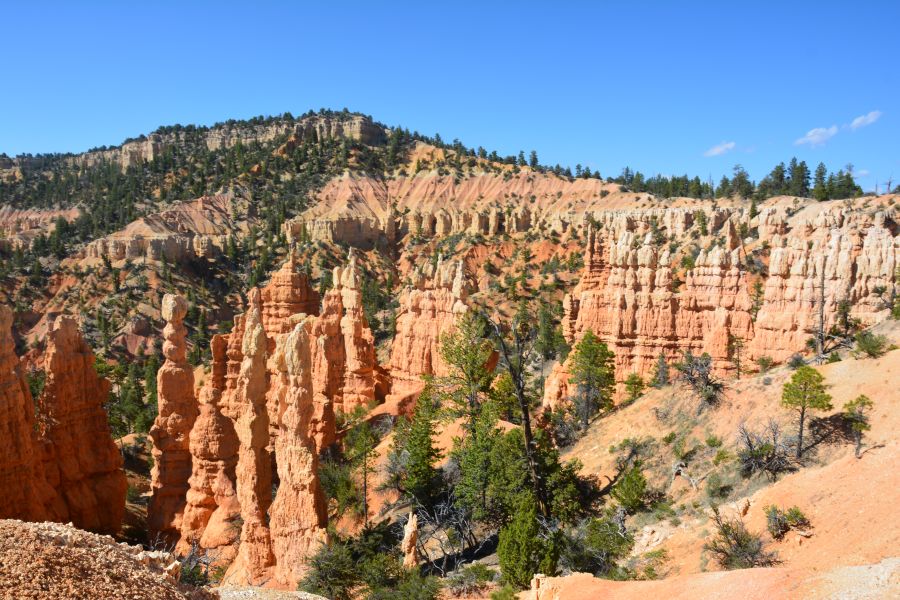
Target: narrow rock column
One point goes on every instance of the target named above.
(254, 468)
(299, 513)
(177, 411)
(408, 546)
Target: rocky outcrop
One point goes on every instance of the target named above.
(429, 308)
(212, 509)
(276, 380)
(410, 538)
(628, 296)
(80, 461)
(314, 127)
(58, 460)
(177, 410)
(23, 489)
(195, 229)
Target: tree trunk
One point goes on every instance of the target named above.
(800, 434)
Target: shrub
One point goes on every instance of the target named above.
(833, 358)
(734, 547)
(721, 456)
(870, 344)
(472, 579)
(412, 585)
(697, 372)
(716, 487)
(595, 544)
(796, 361)
(332, 573)
(763, 452)
(507, 592)
(669, 437)
(779, 522)
(713, 441)
(631, 490)
(764, 363)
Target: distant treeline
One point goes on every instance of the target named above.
(794, 179)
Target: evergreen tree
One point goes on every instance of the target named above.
(360, 449)
(805, 391)
(420, 479)
(521, 550)
(820, 186)
(856, 412)
(466, 352)
(593, 374)
(634, 387)
(661, 376)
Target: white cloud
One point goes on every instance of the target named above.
(720, 149)
(865, 120)
(818, 136)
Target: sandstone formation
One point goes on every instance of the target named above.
(315, 127)
(195, 229)
(410, 538)
(254, 468)
(276, 380)
(429, 308)
(628, 296)
(81, 462)
(62, 465)
(23, 490)
(299, 513)
(171, 428)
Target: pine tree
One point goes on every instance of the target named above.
(661, 376)
(805, 391)
(361, 442)
(634, 387)
(820, 186)
(593, 374)
(422, 480)
(533, 160)
(856, 412)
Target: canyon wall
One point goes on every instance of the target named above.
(150, 147)
(629, 297)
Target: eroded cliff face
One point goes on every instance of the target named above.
(23, 489)
(195, 229)
(429, 308)
(629, 298)
(270, 399)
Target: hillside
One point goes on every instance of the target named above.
(342, 356)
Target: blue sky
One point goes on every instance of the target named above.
(668, 87)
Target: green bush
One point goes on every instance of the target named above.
(713, 441)
(734, 547)
(779, 522)
(507, 592)
(764, 363)
(470, 580)
(716, 487)
(594, 545)
(870, 344)
(631, 490)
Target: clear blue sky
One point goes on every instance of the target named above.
(655, 86)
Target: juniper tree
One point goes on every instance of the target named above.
(661, 376)
(805, 391)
